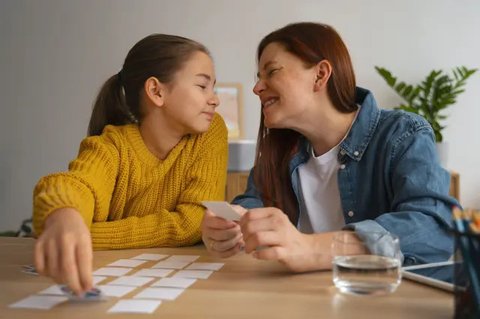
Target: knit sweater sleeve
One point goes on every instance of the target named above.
(87, 186)
(181, 227)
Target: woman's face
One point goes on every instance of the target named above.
(285, 87)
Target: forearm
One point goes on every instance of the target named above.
(59, 191)
(321, 254)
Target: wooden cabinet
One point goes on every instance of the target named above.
(237, 183)
(455, 185)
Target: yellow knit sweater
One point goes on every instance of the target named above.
(131, 199)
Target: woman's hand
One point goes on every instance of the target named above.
(270, 235)
(221, 237)
(64, 250)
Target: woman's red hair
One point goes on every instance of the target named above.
(312, 43)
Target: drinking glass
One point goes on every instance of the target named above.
(366, 266)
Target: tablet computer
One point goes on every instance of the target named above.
(439, 275)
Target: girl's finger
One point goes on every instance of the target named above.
(69, 268)
(52, 269)
(84, 258)
(39, 257)
(223, 234)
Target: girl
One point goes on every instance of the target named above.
(156, 148)
(329, 159)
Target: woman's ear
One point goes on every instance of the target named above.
(323, 72)
(155, 91)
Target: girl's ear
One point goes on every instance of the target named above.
(322, 75)
(155, 91)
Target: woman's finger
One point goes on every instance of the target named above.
(250, 227)
(260, 213)
(270, 253)
(262, 239)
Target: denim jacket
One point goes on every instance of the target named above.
(390, 180)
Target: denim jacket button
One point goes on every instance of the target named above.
(356, 153)
(342, 166)
(351, 213)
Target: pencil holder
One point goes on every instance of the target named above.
(467, 273)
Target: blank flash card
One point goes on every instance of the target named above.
(222, 209)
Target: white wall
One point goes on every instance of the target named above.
(55, 54)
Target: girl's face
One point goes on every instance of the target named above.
(285, 87)
(190, 101)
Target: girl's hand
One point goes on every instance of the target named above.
(270, 235)
(64, 250)
(221, 237)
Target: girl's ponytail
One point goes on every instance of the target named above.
(110, 107)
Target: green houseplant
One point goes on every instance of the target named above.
(433, 95)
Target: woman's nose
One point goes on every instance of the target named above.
(259, 87)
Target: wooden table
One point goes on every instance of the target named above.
(243, 288)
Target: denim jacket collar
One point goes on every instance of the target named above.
(363, 128)
(359, 136)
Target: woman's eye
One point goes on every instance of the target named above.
(272, 71)
(203, 87)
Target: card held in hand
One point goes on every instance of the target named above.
(222, 209)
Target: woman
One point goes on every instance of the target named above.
(329, 159)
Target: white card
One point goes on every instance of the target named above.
(205, 266)
(135, 306)
(189, 258)
(111, 271)
(174, 264)
(153, 272)
(52, 290)
(127, 263)
(150, 257)
(222, 209)
(115, 291)
(174, 282)
(200, 274)
(98, 279)
(159, 293)
(135, 281)
(39, 302)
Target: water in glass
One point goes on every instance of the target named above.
(366, 274)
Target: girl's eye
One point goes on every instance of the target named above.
(203, 87)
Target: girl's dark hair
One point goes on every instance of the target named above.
(158, 55)
(312, 43)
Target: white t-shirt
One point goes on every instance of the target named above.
(319, 187)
